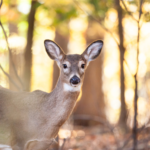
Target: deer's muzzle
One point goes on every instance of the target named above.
(74, 80)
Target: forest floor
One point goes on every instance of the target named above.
(99, 138)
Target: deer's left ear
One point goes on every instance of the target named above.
(93, 50)
(54, 51)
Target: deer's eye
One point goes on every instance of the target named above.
(65, 66)
(82, 66)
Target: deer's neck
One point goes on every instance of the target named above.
(64, 100)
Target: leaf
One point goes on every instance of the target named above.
(147, 17)
(37, 4)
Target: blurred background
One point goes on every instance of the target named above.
(107, 97)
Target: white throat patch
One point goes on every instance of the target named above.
(70, 88)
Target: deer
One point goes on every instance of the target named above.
(36, 117)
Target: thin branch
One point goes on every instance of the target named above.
(6, 38)
(78, 5)
(11, 80)
(10, 53)
(64, 141)
(128, 10)
(131, 137)
(128, 67)
(108, 31)
(136, 83)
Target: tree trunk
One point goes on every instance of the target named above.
(123, 113)
(92, 100)
(28, 51)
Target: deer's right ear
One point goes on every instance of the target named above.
(54, 51)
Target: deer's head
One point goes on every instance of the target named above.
(72, 67)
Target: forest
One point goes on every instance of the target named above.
(112, 112)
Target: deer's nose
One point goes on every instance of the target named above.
(74, 80)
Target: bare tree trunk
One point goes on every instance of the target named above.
(92, 100)
(123, 113)
(28, 51)
(135, 123)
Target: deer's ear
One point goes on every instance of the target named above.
(54, 51)
(93, 50)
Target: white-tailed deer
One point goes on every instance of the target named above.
(35, 117)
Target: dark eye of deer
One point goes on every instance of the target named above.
(82, 66)
(65, 66)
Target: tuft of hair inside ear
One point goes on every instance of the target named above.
(94, 50)
(53, 50)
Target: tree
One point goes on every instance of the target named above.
(28, 50)
(92, 99)
(123, 111)
(98, 15)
